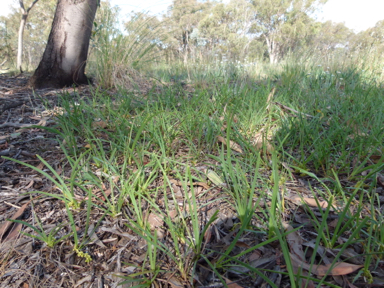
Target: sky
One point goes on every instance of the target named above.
(356, 14)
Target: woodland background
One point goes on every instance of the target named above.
(203, 32)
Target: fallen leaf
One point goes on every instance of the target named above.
(380, 179)
(232, 284)
(202, 184)
(376, 158)
(242, 244)
(339, 268)
(43, 121)
(208, 234)
(29, 185)
(40, 166)
(93, 236)
(260, 140)
(234, 146)
(175, 283)
(268, 259)
(116, 232)
(349, 283)
(99, 124)
(310, 201)
(254, 256)
(4, 137)
(173, 214)
(15, 135)
(14, 228)
(321, 251)
(295, 242)
(155, 223)
(14, 232)
(212, 175)
(83, 280)
(333, 223)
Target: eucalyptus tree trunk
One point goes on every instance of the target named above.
(65, 56)
(273, 49)
(23, 21)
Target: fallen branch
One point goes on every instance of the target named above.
(11, 105)
(43, 122)
(16, 125)
(11, 152)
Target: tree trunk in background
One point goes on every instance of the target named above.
(23, 21)
(273, 50)
(65, 56)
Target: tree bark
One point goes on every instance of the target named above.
(65, 56)
(20, 42)
(23, 21)
(273, 50)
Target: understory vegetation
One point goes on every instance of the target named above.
(220, 172)
(212, 166)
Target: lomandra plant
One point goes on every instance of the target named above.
(116, 56)
(67, 188)
(71, 202)
(50, 237)
(184, 231)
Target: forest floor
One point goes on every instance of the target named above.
(27, 130)
(23, 263)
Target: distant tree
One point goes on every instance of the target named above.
(370, 40)
(225, 28)
(145, 36)
(24, 13)
(5, 47)
(330, 36)
(35, 34)
(279, 22)
(182, 18)
(65, 55)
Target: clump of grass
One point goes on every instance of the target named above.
(116, 57)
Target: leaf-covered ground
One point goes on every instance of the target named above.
(316, 235)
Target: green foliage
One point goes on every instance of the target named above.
(5, 45)
(35, 35)
(323, 122)
(116, 57)
(370, 40)
(321, 131)
(281, 24)
(195, 32)
(48, 237)
(225, 29)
